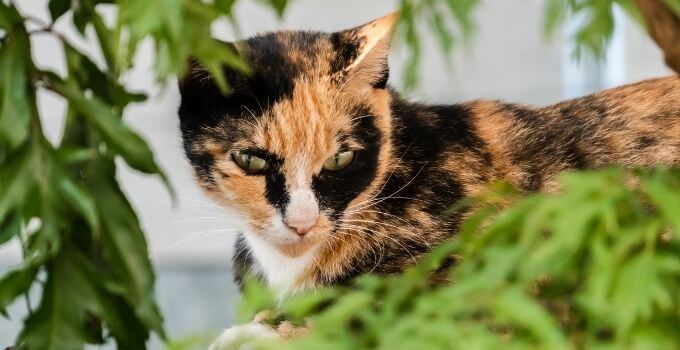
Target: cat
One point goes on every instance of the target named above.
(335, 174)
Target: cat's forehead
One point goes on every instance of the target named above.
(284, 56)
(312, 122)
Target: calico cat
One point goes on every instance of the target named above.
(335, 174)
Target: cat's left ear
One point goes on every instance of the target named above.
(362, 52)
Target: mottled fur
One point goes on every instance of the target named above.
(313, 94)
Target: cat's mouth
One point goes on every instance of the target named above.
(292, 244)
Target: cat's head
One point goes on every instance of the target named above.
(303, 140)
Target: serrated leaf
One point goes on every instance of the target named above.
(125, 247)
(71, 293)
(57, 324)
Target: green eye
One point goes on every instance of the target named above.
(339, 161)
(250, 163)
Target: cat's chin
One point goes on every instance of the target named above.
(298, 246)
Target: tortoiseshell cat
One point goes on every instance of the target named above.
(335, 175)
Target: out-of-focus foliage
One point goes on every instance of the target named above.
(596, 266)
(591, 25)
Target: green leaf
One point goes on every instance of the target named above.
(58, 8)
(71, 294)
(80, 200)
(16, 282)
(10, 228)
(57, 324)
(126, 142)
(17, 179)
(106, 41)
(225, 6)
(667, 201)
(15, 94)
(9, 16)
(102, 84)
(462, 11)
(674, 5)
(554, 16)
(124, 246)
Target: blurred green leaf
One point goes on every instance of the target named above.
(14, 96)
(58, 8)
(126, 142)
(16, 282)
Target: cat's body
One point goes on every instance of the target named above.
(442, 153)
(335, 175)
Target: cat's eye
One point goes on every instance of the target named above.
(339, 161)
(250, 163)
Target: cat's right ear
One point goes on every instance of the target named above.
(362, 52)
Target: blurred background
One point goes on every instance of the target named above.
(190, 241)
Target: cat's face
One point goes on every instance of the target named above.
(300, 143)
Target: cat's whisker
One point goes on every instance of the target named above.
(226, 219)
(388, 237)
(364, 238)
(400, 189)
(199, 235)
(381, 199)
(409, 233)
(391, 196)
(360, 117)
(208, 207)
(386, 181)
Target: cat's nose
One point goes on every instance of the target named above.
(302, 225)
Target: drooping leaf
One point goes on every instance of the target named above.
(16, 282)
(124, 246)
(15, 112)
(126, 142)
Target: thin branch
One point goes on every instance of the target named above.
(664, 27)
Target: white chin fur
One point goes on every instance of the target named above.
(280, 271)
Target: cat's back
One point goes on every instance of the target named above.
(632, 125)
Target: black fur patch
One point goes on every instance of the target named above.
(335, 189)
(242, 261)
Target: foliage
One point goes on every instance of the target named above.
(592, 26)
(84, 252)
(596, 266)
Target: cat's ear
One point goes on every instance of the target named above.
(362, 52)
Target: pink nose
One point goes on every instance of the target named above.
(302, 225)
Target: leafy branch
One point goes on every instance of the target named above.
(596, 266)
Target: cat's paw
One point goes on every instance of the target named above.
(242, 337)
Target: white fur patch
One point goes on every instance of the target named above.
(238, 337)
(303, 209)
(280, 271)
